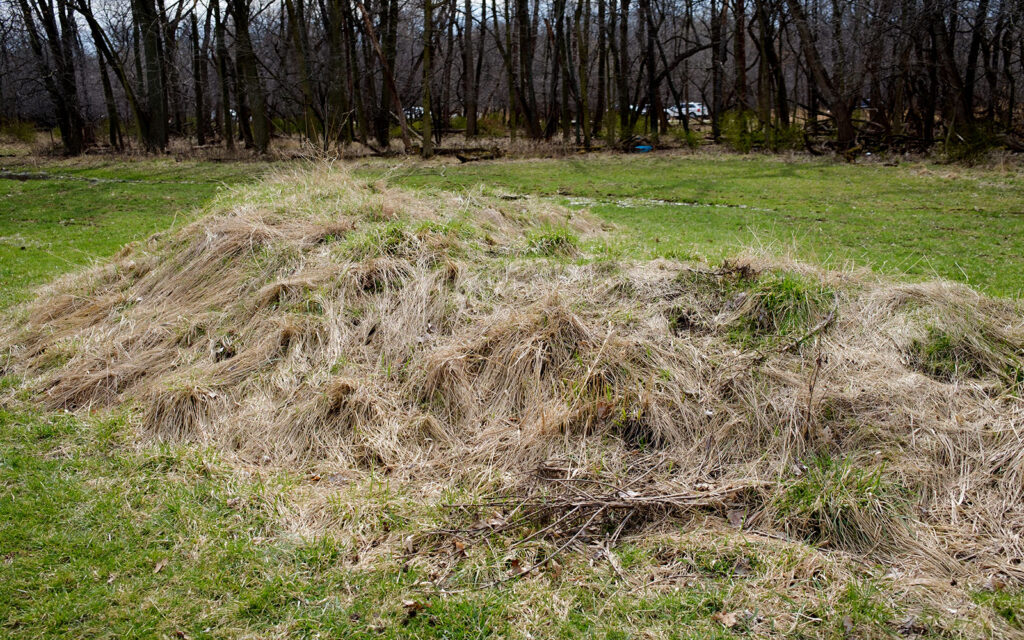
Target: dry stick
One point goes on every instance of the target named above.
(635, 503)
(578, 492)
(588, 480)
(811, 387)
(760, 356)
(548, 558)
(622, 500)
(547, 528)
(633, 482)
(618, 530)
(815, 330)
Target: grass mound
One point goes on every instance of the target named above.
(319, 320)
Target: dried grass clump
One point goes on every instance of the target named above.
(180, 411)
(316, 319)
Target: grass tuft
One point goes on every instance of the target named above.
(966, 352)
(552, 241)
(836, 504)
(779, 304)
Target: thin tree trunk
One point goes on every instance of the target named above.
(113, 120)
(427, 149)
(60, 79)
(468, 77)
(652, 70)
(740, 53)
(389, 78)
(841, 106)
(198, 62)
(222, 74)
(155, 126)
(718, 44)
(602, 67)
(622, 79)
(583, 40)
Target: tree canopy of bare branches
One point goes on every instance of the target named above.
(846, 73)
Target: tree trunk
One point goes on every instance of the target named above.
(740, 53)
(247, 67)
(840, 106)
(583, 40)
(602, 67)
(469, 87)
(718, 47)
(154, 128)
(389, 78)
(59, 80)
(113, 120)
(427, 149)
(222, 74)
(198, 62)
(652, 70)
(977, 34)
(311, 121)
(622, 72)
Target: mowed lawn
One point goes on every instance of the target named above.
(912, 220)
(93, 208)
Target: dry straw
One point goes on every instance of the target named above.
(316, 319)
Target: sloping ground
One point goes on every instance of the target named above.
(321, 322)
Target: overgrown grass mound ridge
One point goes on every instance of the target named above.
(314, 319)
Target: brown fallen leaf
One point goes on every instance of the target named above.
(848, 625)
(412, 607)
(736, 517)
(727, 620)
(160, 565)
(555, 569)
(742, 566)
(995, 582)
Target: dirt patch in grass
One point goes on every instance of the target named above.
(320, 322)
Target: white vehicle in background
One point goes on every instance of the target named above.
(697, 110)
(690, 110)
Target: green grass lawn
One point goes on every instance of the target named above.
(49, 227)
(913, 220)
(101, 536)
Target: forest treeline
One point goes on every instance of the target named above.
(839, 74)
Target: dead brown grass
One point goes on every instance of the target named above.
(317, 320)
